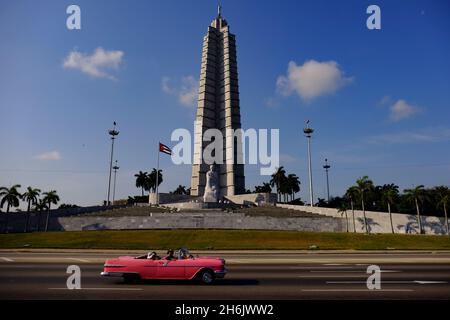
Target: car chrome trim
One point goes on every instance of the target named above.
(111, 274)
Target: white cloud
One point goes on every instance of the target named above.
(312, 79)
(402, 110)
(186, 91)
(385, 100)
(49, 156)
(286, 158)
(272, 102)
(437, 134)
(97, 64)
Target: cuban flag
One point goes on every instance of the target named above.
(164, 149)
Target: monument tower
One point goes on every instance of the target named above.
(218, 107)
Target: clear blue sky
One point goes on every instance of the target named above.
(387, 116)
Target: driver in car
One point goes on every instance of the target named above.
(153, 256)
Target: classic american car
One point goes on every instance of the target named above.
(178, 266)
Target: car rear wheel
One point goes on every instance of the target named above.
(206, 277)
(131, 278)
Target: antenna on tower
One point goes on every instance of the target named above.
(219, 10)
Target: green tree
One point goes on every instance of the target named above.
(50, 198)
(278, 180)
(11, 197)
(264, 188)
(180, 190)
(443, 198)
(141, 180)
(389, 194)
(31, 197)
(343, 210)
(352, 194)
(40, 206)
(151, 180)
(416, 195)
(293, 183)
(365, 186)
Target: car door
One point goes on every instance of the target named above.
(149, 269)
(170, 269)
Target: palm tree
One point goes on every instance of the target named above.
(31, 196)
(352, 194)
(364, 185)
(389, 194)
(343, 210)
(293, 183)
(416, 195)
(10, 196)
(39, 207)
(151, 181)
(180, 190)
(141, 180)
(443, 197)
(49, 198)
(278, 179)
(264, 188)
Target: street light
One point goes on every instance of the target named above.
(115, 168)
(326, 167)
(113, 133)
(308, 132)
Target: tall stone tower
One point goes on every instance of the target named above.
(218, 107)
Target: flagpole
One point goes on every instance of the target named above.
(157, 178)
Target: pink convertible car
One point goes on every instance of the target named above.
(178, 266)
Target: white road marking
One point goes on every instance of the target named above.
(116, 289)
(350, 271)
(322, 268)
(356, 290)
(7, 259)
(77, 259)
(395, 282)
(429, 282)
(336, 276)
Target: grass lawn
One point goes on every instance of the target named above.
(221, 240)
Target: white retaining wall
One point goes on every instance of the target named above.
(379, 222)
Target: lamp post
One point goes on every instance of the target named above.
(115, 168)
(326, 167)
(113, 133)
(308, 133)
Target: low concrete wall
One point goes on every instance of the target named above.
(379, 222)
(17, 220)
(204, 220)
(253, 198)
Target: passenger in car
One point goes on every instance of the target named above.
(170, 255)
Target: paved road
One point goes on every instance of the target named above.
(252, 275)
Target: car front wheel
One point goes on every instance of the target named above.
(207, 277)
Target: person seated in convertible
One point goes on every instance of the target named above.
(170, 255)
(153, 256)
